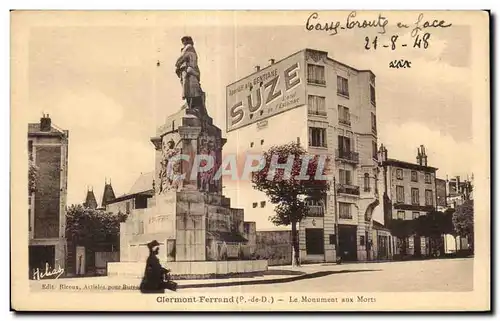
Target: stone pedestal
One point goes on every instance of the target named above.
(188, 215)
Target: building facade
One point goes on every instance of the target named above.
(329, 108)
(442, 203)
(459, 191)
(48, 151)
(409, 192)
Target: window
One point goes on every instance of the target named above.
(342, 86)
(414, 176)
(362, 240)
(332, 238)
(345, 210)
(415, 196)
(141, 227)
(401, 215)
(251, 144)
(313, 202)
(254, 204)
(429, 199)
(372, 95)
(316, 74)
(366, 182)
(262, 142)
(400, 194)
(344, 115)
(345, 177)
(127, 207)
(415, 215)
(344, 142)
(427, 178)
(374, 123)
(399, 173)
(317, 137)
(316, 105)
(315, 208)
(314, 241)
(374, 150)
(263, 204)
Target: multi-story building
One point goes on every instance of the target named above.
(441, 202)
(409, 192)
(329, 108)
(48, 150)
(459, 191)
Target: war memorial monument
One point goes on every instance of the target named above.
(200, 235)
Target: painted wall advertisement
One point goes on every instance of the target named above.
(270, 91)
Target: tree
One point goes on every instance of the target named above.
(32, 176)
(89, 227)
(434, 225)
(402, 229)
(463, 221)
(287, 189)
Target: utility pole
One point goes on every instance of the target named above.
(337, 249)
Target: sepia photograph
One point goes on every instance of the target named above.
(250, 160)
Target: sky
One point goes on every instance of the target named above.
(101, 81)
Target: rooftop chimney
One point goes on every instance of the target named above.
(271, 61)
(421, 156)
(382, 153)
(257, 68)
(45, 123)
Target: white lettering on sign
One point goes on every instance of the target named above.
(267, 93)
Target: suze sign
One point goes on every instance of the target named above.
(273, 90)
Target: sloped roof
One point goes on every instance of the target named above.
(108, 194)
(399, 163)
(143, 183)
(90, 200)
(35, 128)
(379, 226)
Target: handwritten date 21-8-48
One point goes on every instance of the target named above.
(395, 42)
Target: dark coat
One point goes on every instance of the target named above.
(154, 276)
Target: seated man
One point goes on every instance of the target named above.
(156, 278)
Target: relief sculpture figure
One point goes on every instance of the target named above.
(170, 171)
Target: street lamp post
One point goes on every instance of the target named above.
(337, 249)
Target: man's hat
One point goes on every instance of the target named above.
(153, 244)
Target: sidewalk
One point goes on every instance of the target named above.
(103, 283)
(275, 275)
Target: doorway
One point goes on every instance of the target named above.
(347, 242)
(39, 256)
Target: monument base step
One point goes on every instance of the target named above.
(192, 270)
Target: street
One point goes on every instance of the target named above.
(439, 275)
(455, 275)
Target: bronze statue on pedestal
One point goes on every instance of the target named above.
(188, 72)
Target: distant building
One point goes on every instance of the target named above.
(441, 202)
(459, 191)
(108, 195)
(48, 149)
(137, 198)
(90, 201)
(91, 259)
(409, 192)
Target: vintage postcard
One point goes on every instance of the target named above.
(250, 161)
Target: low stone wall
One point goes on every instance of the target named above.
(191, 270)
(274, 246)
